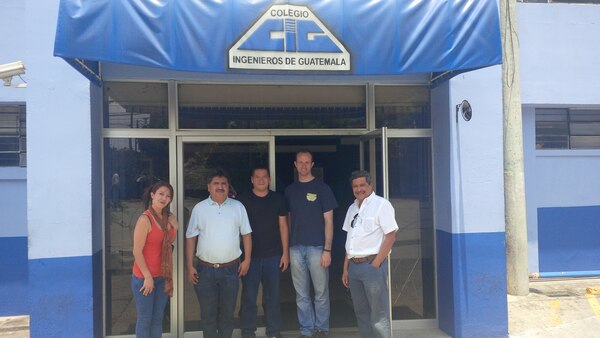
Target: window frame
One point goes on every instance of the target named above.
(16, 132)
(575, 128)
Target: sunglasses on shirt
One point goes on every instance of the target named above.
(353, 220)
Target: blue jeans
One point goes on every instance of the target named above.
(265, 270)
(305, 263)
(217, 290)
(370, 298)
(150, 309)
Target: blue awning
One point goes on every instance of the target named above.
(357, 37)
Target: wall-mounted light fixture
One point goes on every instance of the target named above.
(465, 110)
(8, 70)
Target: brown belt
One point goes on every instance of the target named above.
(219, 265)
(359, 260)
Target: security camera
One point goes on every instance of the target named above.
(8, 70)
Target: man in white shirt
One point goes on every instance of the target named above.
(371, 226)
(213, 234)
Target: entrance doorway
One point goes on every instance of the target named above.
(181, 130)
(406, 182)
(335, 158)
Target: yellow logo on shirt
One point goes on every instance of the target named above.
(311, 197)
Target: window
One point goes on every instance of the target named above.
(135, 105)
(271, 107)
(567, 128)
(402, 107)
(12, 136)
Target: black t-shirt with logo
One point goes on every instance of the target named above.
(263, 213)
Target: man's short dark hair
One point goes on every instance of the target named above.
(305, 151)
(360, 173)
(261, 167)
(218, 172)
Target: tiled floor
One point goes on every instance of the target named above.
(417, 333)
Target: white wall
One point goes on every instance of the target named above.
(13, 184)
(560, 67)
(530, 184)
(567, 179)
(58, 142)
(477, 152)
(560, 53)
(13, 202)
(12, 45)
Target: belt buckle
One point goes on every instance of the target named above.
(216, 265)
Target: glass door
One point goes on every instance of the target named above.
(131, 166)
(401, 167)
(197, 156)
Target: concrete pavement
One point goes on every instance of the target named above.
(556, 308)
(553, 309)
(14, 327)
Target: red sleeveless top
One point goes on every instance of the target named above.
(152, 248)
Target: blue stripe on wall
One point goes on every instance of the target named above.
(568, 239)
(97, 278)
(66, 297)
(471, 272)
(13, 276)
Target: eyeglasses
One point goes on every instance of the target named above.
(353, 221)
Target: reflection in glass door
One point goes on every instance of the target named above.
(197, 158)
(131, 165)
(401, 169)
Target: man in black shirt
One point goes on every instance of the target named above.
(267, 211)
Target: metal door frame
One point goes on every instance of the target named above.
(368, 142)
(177, 307)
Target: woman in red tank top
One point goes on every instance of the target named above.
(152, 278)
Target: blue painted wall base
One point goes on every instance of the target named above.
(13, 276)
(66, 296)
(568, 239)
(471, 271)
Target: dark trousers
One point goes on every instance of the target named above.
(265, 271)
(217, 290)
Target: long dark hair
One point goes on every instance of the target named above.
(147, 198)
